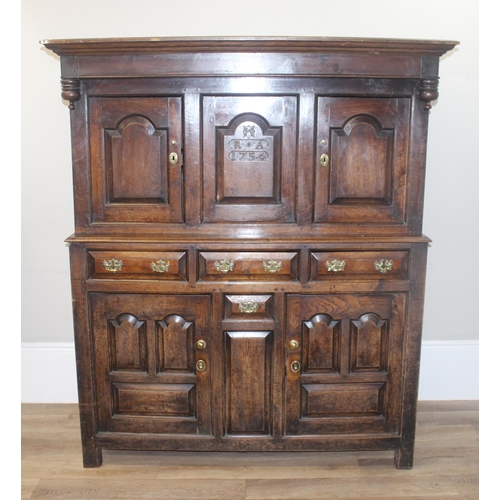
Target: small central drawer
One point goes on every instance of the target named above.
(248, 307)
(251, 266)
(383, 264)
(137, 265)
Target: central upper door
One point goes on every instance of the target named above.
(249, 158)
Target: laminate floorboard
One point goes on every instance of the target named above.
(446, 465)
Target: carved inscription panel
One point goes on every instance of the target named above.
(249, 155)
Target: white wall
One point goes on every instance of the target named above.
(451, 214)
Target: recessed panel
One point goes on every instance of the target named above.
(361, 162)
(369, 338)
(249, 158)
(175, 344)
(154, 399)
(127, 343)
(341, 399)
(321, 341)
(248, 357)
(136, 152)
(248, 171)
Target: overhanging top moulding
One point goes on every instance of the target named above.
(96, 46)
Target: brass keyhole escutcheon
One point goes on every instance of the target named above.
(295, 366)
(293, 345)
(173, 158)
(201, 366)
(201, 344)
(324, 159)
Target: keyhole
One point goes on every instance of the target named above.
(173, 158)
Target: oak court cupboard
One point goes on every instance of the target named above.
(248, 263)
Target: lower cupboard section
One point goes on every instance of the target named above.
(329, 378)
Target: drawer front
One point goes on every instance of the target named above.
(138, 265)
(254, 266)
(384, 264)
(248, 307)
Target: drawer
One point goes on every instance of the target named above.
(137, 265)
(384, 264)
(248, 307)
(251, 266)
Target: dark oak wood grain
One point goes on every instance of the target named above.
(248, 263)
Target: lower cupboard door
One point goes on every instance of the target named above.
(150, 375)
(344, 357)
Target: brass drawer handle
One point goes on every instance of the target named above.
(112, 265)
(383, 265)
(248, 307)
(335, 266)
(272, 266)
(224, 266)
(201, 366)
(324, 160)
(160, 266)
(295, 366)
(293, 345)
(201, 344)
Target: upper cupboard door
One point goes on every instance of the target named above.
(136, 159)
(362, 160)
(249, 154)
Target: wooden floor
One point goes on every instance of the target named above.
(446, 465)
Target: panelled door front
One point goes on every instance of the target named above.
(136, 159)
(152, 362)
(249, 156)
(362, 160)
(344, 363)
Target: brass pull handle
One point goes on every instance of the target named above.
(295, 366)
(112, 265)
(201, 344)
(160, 266)
(224, 266)
(201, 366)
(173, 158)
(383, 265)
(293, 345)
(324, 159)
(272, 266)
(335, 266)
(248, 307)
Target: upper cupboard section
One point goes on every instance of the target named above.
(291, 154)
